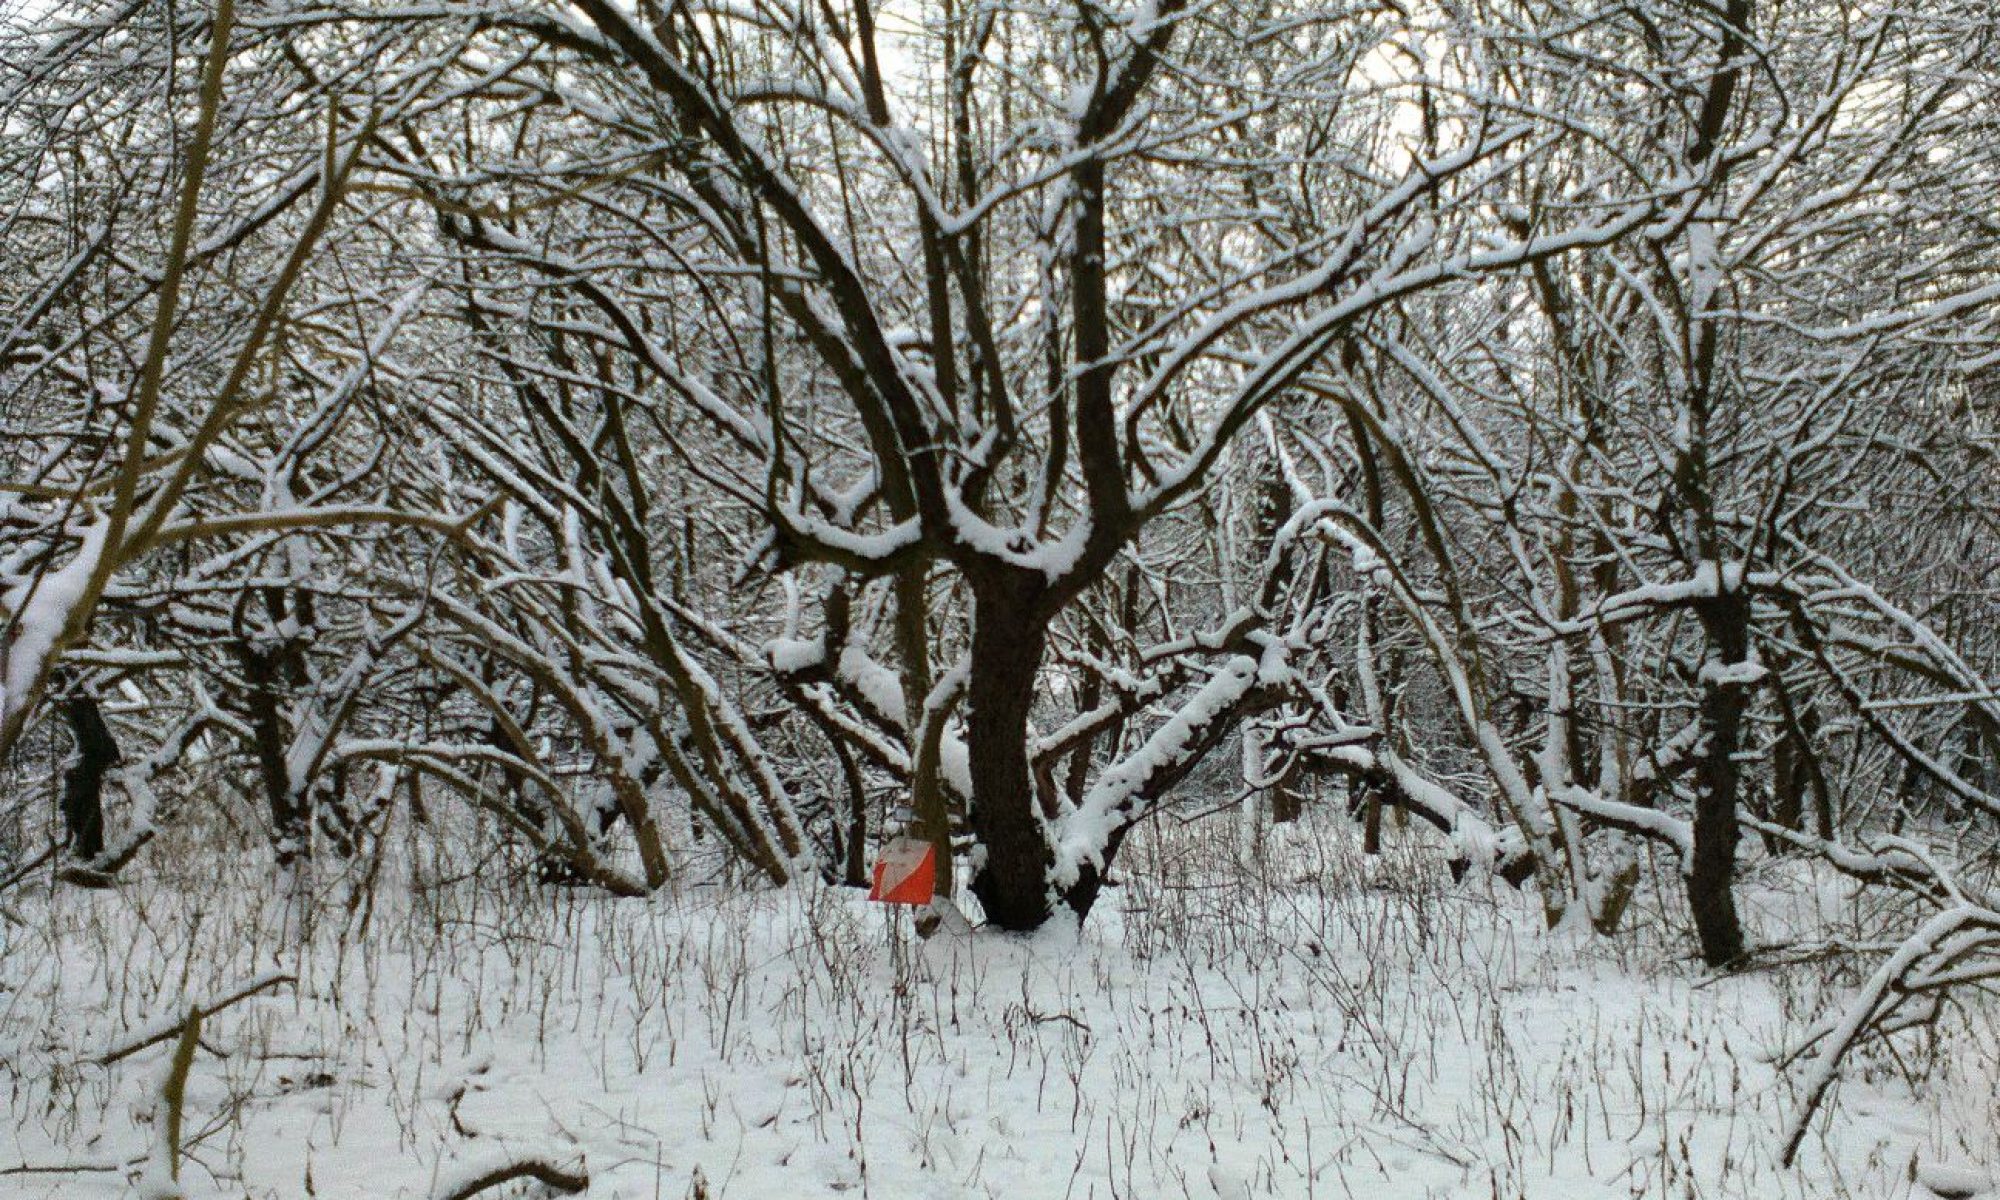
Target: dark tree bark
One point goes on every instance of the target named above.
(1367, 794)
(1287, 805)
(290, 835)
(1008, 635)
(854, 863)
(1788, 792)
(83, 782)
(1274, 508)
(1711, 875)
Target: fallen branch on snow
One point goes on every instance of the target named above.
(200, 1012)
(566, 1181)
(1922, 969)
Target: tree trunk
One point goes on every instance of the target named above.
(1788, 790)
(290, 835)
(854, 863)
(83, 782)
(1008, 635)
(1711, 876)
(927, 794)
(1287, 806)
(1368, 795)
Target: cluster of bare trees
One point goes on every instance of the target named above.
(699, 432)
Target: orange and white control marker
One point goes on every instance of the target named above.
(906, 873)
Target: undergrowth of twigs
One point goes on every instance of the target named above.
(1299, 1020)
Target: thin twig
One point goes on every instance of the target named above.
(30, 867)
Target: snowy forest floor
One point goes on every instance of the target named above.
(1318, 1025)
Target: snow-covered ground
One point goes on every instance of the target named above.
(1316, 1026)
